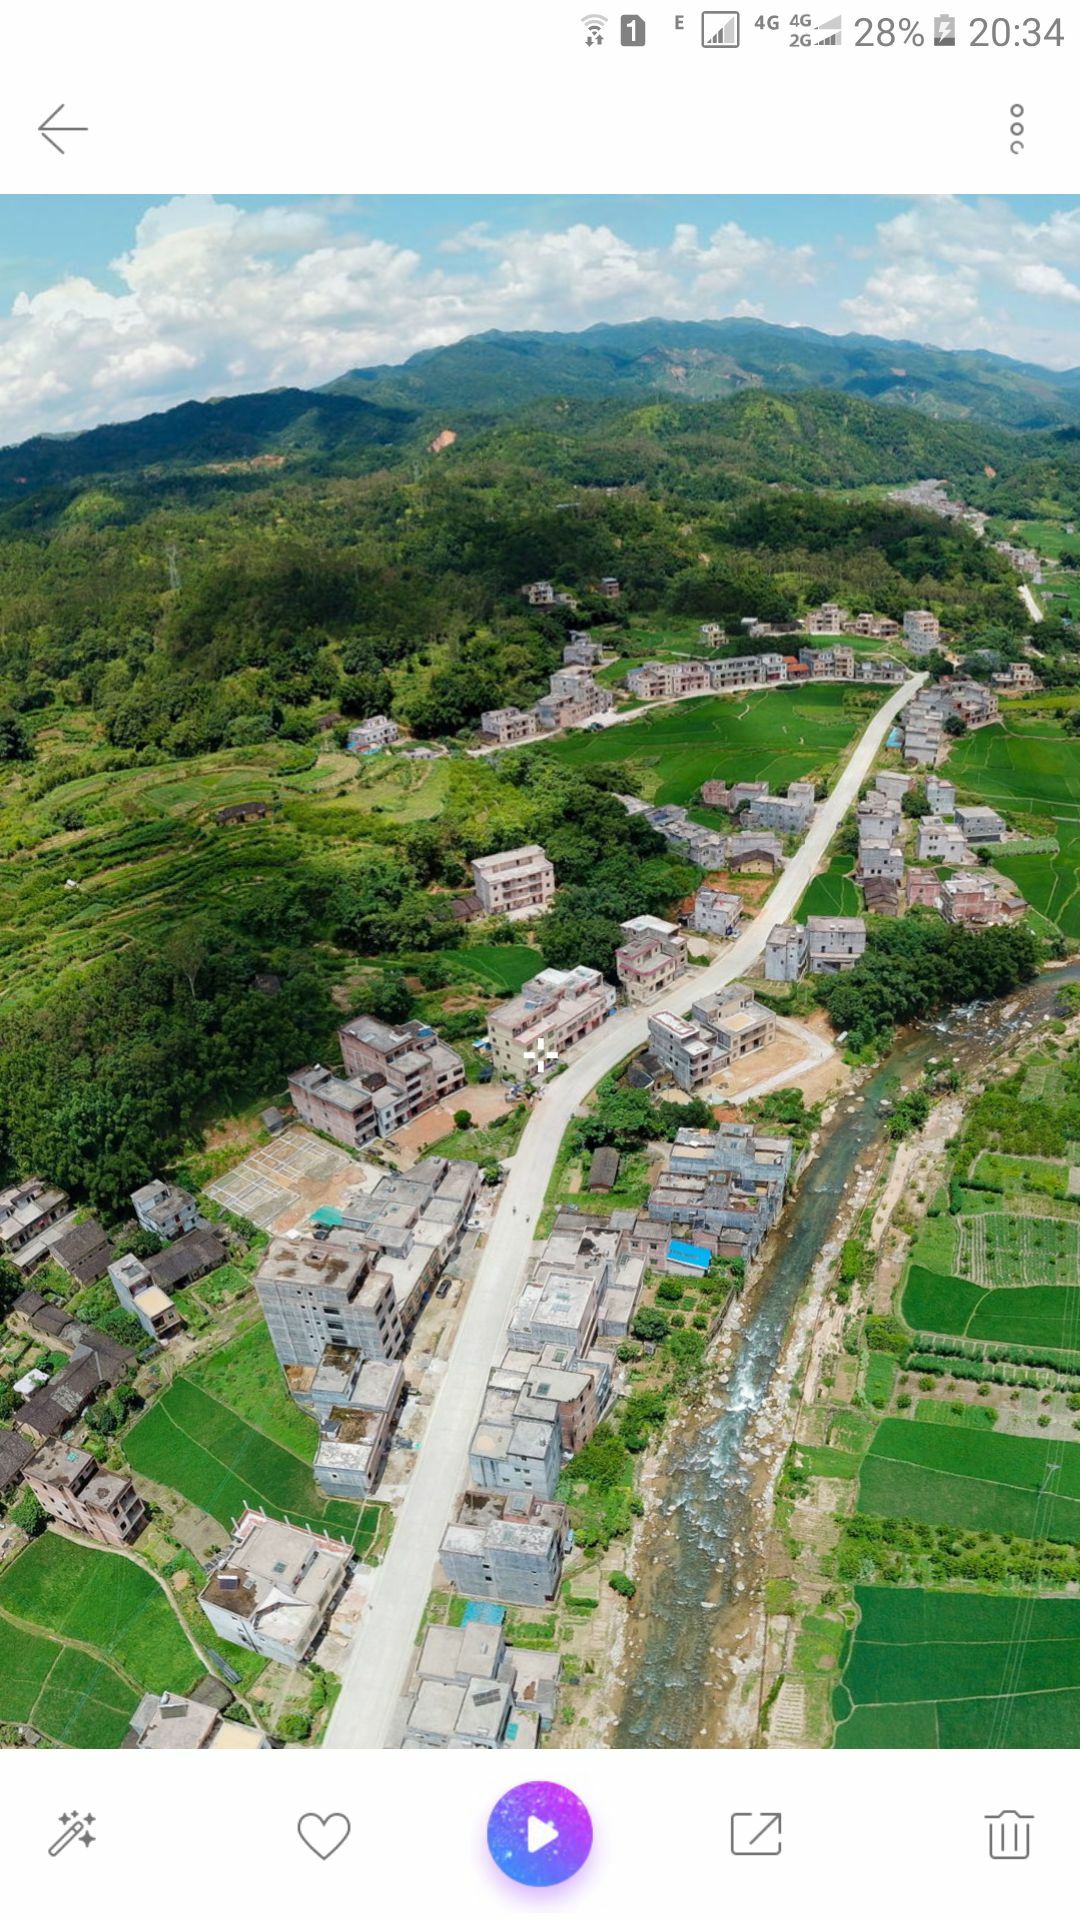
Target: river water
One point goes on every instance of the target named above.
(702, 1556)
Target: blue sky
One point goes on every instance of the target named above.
(110, 307)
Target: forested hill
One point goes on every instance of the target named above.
(271, 428)
(497, 372)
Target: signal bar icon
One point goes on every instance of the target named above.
(830, 32)
(719, 29)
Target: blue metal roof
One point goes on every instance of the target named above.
(328, 1216)
(688, 1255)
(488, 1614)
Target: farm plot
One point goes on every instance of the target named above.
(778, 736)
(830, 892)
(1018, 1250)
(960, 1670)
(500, 967)
(272, 1179)
(1019, 1174)
(214, 1459)
(960, 1477)
(1029, 765)
(1035, 1316)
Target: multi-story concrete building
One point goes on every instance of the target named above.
(875, 626)
(733, 799)
(975, 704)
(1018, 677)
(690, 1055)
(74, 1489)
(712, 634)
(980, 900)
(532, 1032)
(273, 1590)
(828, 663)
(505, 1547)
(517, 883)
(922, 634)
(559, 1308)
(828, 618)
(738, 1023)
(379, 731)
(940, 795)
(581, 650)
(539, 593)
(574, 696)
(511, 1452)
(138, 1293)
(609, 588)
(784, 814)
(651, 958)
(355, 1402)
(836, 941)
(880, 860)
(786, 951)
(164, 1209)
(316, 1293)
(572, 1392)
(171, 1723)
(893, 786)
(942, 842)
(980, 825)
(922, 887)
(728, 1190)
(753, 850)
(394, 1074)
(668, 679)
(416, 1223)
(716, 913)
(506, 726)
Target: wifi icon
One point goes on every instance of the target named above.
(594, 24)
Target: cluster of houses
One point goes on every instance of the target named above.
(529, 1034)
(827, 943)
(723, 1028)
(922, 725)
(573, 695)
(541, 593)
(746, 850)
(391, 1074)
(789, 813)
(715, 1199)
(737, 673)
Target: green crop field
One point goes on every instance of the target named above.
(212, 1457)
(1029, 765)
(1017, 1174)
(831, 891)
(500, 966)
(1031, 1316)
(960, 1670)
(779, 736)
(959, 1477)
(245, 1376)
(83, 1635)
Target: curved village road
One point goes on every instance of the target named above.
(378, 1662)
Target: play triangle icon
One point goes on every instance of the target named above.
(540, 1833)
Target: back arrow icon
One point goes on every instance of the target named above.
(48, 128)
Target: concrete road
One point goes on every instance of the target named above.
(1030, 602)
(378, 1664)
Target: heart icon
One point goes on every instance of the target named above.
(324, 1834)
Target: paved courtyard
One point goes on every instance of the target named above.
(288, 1175)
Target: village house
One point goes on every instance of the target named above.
(554, 1010)
(976, 705)
(828, 618)
(97, 1363)
(519, 882)
(738, 1023)
(923, 887)
(393, 1074)
(685, 1051)
(139, 1293)
(741, 794)
(609, 588)
(786, 951)
(880, 860)
(922, 634)
(893, 786)
(164, 1209)
(712, 634)
(836, 941)
(980, 900)
(754, 850)
(785, 814)
(874, 626)
(173, 1723)
(581, 650)
(942, 842)
(940, 795)
(506, 726)
(243, 810)
(75, 1490)
(1018, 677)
(273, 1590)
(651, 958)
(881, 894)
(716, 913)
(506, 1547)
(83, 1252)
(668, 679)
(30, 1216)
(378, 731)
(980, 825)
(574, 696)
(355, 1401)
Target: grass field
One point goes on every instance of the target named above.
(1018, 1174)
(222, 1464)
(83, 1695)
(1018, 1250)
(1030, 1316)
(245, 1376)
(960, 1670)
(831, 891)
(960, 1477)
(778, 736)
(1029, 765)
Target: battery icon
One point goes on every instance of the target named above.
(945, 30)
